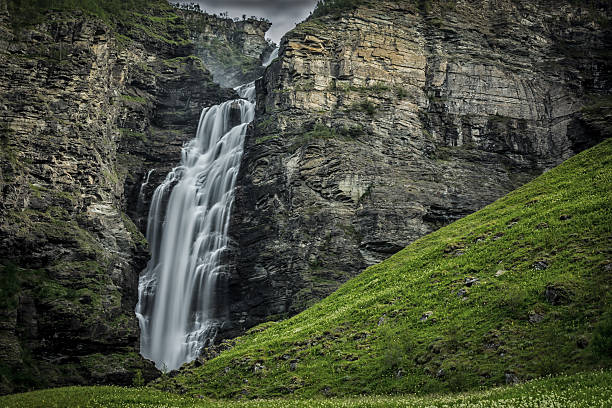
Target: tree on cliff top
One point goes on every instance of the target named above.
(325, 7)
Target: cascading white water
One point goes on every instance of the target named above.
(271, 57)
(141, 193)
(178, 307)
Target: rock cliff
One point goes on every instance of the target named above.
(88, 109)
(232, 50)
(381, 123)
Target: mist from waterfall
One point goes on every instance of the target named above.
(180, 308)
(271, 57)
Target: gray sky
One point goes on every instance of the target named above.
(283, 14)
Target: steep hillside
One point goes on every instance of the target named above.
(518, 290)
(382, 121)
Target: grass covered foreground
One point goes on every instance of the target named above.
(575, 391)
(516, 291)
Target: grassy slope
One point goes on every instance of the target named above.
(577, 391)
(368, 337)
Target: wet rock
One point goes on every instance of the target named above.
(214, 350)
(454, 248)
(471, 281)
(462, 293)
(515, 221)
(540, 265)
(535, 317)
(85, 299)
(436, 346)
(556, 295)
(172, 374)
(511, 379)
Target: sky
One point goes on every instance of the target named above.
(283, 14)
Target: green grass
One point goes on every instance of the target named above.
(363, 106)
(134, 99)
(577, 391)
(369, 337)
(318, 132)
(322, 132)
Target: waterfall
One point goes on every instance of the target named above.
(271, 57)
(142, 191)
(180, 305)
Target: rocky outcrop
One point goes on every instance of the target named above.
(162, 106)
(87, 111)
(381, 124)
(232, 50)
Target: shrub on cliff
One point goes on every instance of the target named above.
(325, 7)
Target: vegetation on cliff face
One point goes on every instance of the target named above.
(516, 291)
(148, 22)
(583, 390)
(30, 12)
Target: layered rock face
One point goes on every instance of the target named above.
(232, 50)
(382, 124)
(85, 115)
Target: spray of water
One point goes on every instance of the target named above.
(271, 57)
